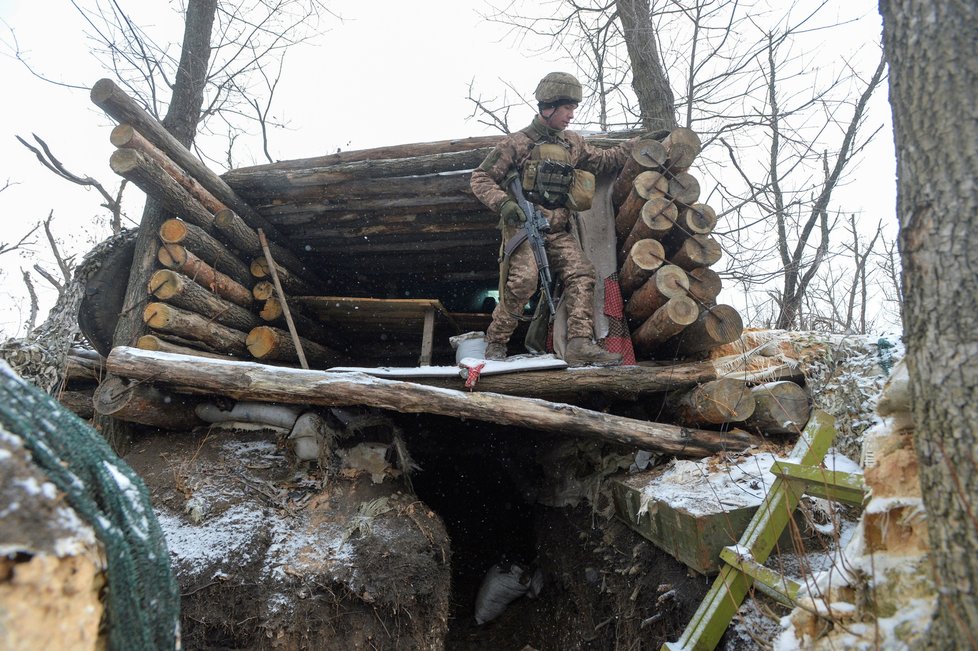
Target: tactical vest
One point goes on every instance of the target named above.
(550, 180)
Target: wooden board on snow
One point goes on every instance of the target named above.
(513, 364)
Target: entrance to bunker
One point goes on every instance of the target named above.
(601, 580)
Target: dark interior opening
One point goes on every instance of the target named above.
(601, 580)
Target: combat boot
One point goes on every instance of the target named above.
(581, 351)
(495, 352)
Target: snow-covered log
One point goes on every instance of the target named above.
(248, 381)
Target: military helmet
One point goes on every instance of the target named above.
(558, 87)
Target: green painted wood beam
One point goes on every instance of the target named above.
(770, 582)
(731, 586)
(832, 485)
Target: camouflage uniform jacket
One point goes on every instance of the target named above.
(509, 156)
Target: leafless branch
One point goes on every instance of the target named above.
(32, 319)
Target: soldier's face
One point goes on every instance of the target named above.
(558, 118)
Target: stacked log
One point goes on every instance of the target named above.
(666, 250)
(204, 293)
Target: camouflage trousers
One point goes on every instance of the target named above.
(568, 265)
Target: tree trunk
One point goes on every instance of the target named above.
(182, 117)
(682, 146)
(291, 284)
(655, 98)
(934, 97)
(683, 188)
(294, 386)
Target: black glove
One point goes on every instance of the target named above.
(512, 214)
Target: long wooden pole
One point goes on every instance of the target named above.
(273, 272)
(246, 380)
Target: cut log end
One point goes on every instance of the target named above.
(174, 231)
(164, 284)
(262, 342)
(122, 135)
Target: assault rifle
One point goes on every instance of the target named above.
(536, 225)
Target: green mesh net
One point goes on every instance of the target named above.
(143, 601)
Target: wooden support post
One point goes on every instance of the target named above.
(427, 336)
(273, 272)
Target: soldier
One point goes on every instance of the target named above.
(556, 167)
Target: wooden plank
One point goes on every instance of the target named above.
(343, 310)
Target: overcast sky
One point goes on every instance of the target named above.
(387, 73)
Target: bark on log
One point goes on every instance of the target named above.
(697, 251)
(188, 325)
(84, 365)
(205, 247)
(647, 154)
(682, 146)
(113, 100)
(668, 281)
(154, 181)
(174, 256)
(178, 290)
(245, 239)
(647, 185)
(127, 137)
(136, 402)
(268, 343)
(683, 188)
(658, 217)
(483, 144)
(714, 327)
(79, 401)
(258, 382)
(665, 322)
(291, 283)
(714, 403)
(273, 313)
(698, 219)
(704, 285)
(643, 259)
(154, 342)
(782, 408)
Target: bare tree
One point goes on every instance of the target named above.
(934, 100)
